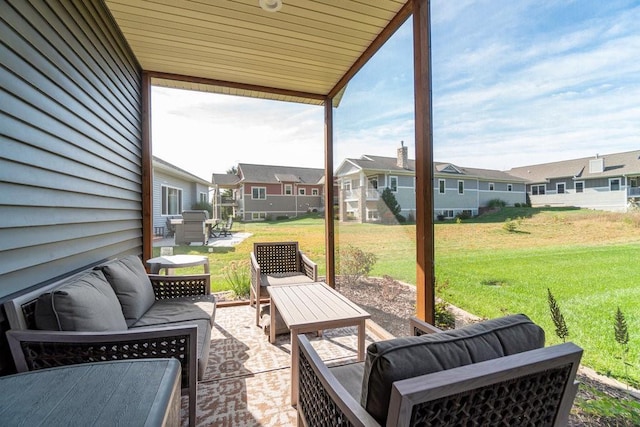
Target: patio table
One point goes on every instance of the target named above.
(144, 392)
(169, 262)
(312, 307)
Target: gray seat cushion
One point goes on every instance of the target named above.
(350, 377)
(276, 279)
(86, 303)
(408, 357)
(182, 309)
(203, 340)
(131, 284)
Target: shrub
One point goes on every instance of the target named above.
(463, 215)
(388, 207)
(236, 273)
(355, 264)
(510, 225)
(517, 205)
(496, 203)
(444, 319)
(282, 217)
(202, 206)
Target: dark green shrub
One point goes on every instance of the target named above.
(496, 203)
(202, 206)
(388, 207)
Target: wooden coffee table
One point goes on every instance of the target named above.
(312, 307)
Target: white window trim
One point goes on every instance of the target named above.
(164, 202)
(460, 181)
(492, 186)
(538, 187)
(258, 188)
(315, 192)
(575, 186)
(442, 189)
(611, 180)
(302, 191)
(558, 185)
(393, 177)
(509, 187)
(256, 216)
(289, 188)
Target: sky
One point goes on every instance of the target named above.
(513, 84)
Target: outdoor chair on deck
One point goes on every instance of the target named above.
(193, 228)
(489, 373)
(225, 229)
(277, 263)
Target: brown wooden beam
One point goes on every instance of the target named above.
(329, 193)
(147, 170)
(425, 254)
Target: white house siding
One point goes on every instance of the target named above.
(600, 198)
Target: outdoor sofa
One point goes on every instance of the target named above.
(496, 372)
(115, 311)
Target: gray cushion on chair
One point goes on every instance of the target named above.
(132, 286)
(290, 278)
(87, 303)
(408, 357)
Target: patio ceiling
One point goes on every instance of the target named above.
(303, 53)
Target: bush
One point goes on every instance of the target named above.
(355, 264)
(463, 215)
(444, 319)
(282, 217)
(388, 207)
(202, 206)
(517, 205)
(237, 276)
(496, 203)
(510, 225)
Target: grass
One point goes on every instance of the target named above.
(588, 259)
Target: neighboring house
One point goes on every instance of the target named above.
(174, 190)
(609, 182)
(260, 192)
(457, 189)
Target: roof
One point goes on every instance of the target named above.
(389, 165)
(167, 167)
(616, 164)
(303, 53)
(269, 174)
(225, 179)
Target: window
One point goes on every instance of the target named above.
(614, 184)
(509, 187)
(538, 189)
(460, 187)
(372, 215)
(492, 186)
(256, 216)
(579, 186)
(314, 192)
(560, 187)
(302, 191)
(171, 200)
(373, 183)
(288, 189)
(204, 198)
(441, 187)
(259, 193)
(393, 183)
(346, 185)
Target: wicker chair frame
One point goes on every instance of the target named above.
(533, 388)
(283, 258)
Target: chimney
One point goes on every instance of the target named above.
(596, 165)
(403, 157)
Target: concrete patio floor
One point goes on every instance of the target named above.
(235, 238)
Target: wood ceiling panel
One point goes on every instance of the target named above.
(299, 53)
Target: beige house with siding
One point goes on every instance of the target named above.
(608, 182)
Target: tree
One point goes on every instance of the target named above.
(388, 207)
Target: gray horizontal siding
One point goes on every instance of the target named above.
(70, 141)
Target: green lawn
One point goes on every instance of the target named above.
(587, 259)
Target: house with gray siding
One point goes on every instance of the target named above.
(608, 182)
(457, 190)
(262, 192)
(174, 190)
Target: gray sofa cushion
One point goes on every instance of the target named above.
(133, 288)
(290, 278)
(408, 357)
(180, 309)
(86, 303)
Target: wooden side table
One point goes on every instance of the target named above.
(170, 262)
(144, 392)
